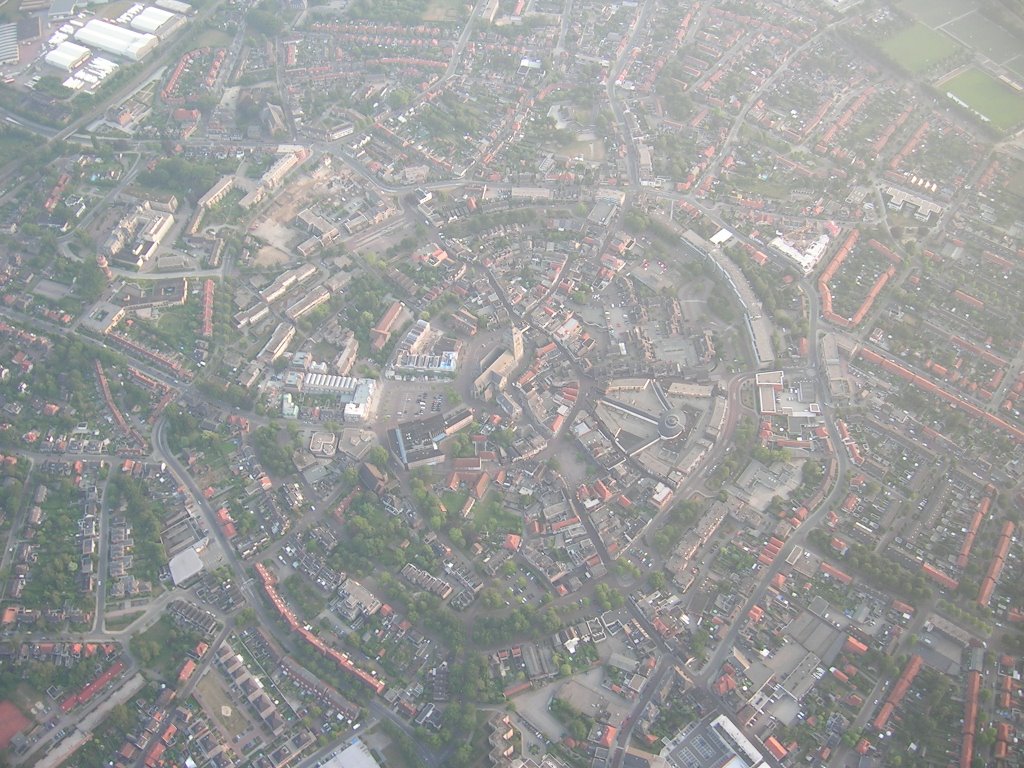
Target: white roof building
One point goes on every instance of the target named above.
(152, 20)
(356, 755)
(116, 40)
(67, 56)
(187, 563)
(175, 6)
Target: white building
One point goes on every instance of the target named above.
(174, 6)
(116, 40)
(156, 21)
(68, 56)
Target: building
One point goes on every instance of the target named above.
(116, 40)
(357, 600)
(175, 6)
(68, 56)
(278, 342)
(356, 755)
(186, 564)
(713, 742)
(10, 52)
(157, 21)
(63, 9)
(217, 192)
(348, 350)
(308, 303)
(358, 396)
(496, 366)
(391, 318)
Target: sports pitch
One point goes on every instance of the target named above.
(987, 96)
(917, 48)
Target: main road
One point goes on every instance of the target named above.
(797, 539)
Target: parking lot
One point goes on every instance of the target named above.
(404, 400)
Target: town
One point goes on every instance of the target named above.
(511, 383)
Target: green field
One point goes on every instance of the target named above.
(987, 96)
(918, 48)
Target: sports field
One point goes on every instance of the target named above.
(985, 36)
(987, 96)
(917, 48)
(936, 12)
(12, 722)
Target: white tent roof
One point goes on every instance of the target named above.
(114, 39)
(151, 19)
(67, 55)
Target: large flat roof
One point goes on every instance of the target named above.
(356, 755)
(185, 565)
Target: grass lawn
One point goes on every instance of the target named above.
(989, 97)
(453, 500)
(492, 517)
(444, 10)
(216, 702)
(115, 623)
(213, 38)
(917, 48)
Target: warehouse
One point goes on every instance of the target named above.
(116, 40)
(157, 22)
(68, 56)
(9, 50)
(175, 6)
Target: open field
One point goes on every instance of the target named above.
(588, 150)
(936, 12)
(212, 38)
(917, 48)
(114, 623)
(989, 97)
(444, 10)
(213, 700)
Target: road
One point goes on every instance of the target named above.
(79, 728)
(618, 110)
(103, 557)
(460, 45)
(245, 584)
(756, 94)
(831, 500)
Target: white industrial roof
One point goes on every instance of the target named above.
(114, 39)
(151, 19)
(67, 55)
(175, 5)
(185, 565)
(356, 755)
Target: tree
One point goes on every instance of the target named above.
(378, 456)
(656, 580)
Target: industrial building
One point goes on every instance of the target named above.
(10, 53)
(116, 40)
(68, 56)
(156, 21)
(175, 6)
